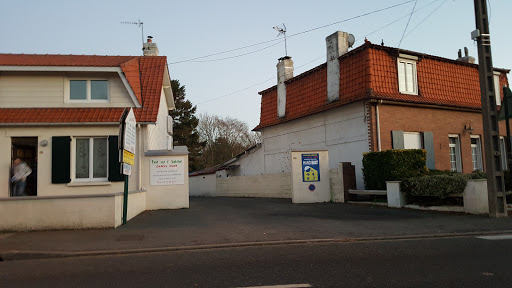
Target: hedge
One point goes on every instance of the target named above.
(392, 165)
(440, 186)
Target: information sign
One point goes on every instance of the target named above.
(310, 167)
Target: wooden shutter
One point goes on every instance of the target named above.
(61, 159)
(398, 139)
(428, 143)
(114, 167)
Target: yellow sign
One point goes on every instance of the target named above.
(310, 174)
(128, 157)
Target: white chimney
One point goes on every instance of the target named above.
(284, 72)
(150, 48)
(337, 44)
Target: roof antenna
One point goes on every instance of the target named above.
(140, 24)
(283, 32)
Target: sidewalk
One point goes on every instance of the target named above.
(226, 222)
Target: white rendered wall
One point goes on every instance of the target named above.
(203, 185)
(266, 186)
(157, 133)
(250, 163)
(50, 89)
(300, 188)
(44, 169)
(343, 132)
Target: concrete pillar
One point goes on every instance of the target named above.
(396, 198)
(284, 72)
(337, 45)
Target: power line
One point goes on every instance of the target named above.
(403, 34)
(428, 16)
(296, 34)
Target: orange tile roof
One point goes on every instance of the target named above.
(370, 72)
(145, 74)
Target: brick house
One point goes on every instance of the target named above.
(60, 114)
(375, 98)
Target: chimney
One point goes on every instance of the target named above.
(284, 72)
(150, 48)
(337, 44)
(466, 58)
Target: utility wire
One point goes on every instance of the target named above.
(428, 16)
(236, 56)
(403, 34)
(296, 34)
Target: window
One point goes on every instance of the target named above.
(91, 162)
(497, 88)
(412, 140)
(455, 161)
(88, 90)
(503, 150)
(476, 153)
(407, 81)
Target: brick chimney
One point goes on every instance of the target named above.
(284, 72)
(337, 44)
(150, 48)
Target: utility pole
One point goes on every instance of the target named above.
(495, 180)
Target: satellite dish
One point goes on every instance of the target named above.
(351, 39)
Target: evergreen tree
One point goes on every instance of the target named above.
(185, 125)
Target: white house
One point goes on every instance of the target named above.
(60, 114)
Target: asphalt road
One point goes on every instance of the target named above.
(446, 262)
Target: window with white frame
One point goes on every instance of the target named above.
(91, 159)
(503, 150)
(497, 88)
(455, 161)
(476, 153)
(88, 90)
(407, 79)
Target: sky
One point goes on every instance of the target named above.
(227, 84)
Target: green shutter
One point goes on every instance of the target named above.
(428, 143)
(398, 139)
(114, 167)
(61, 155)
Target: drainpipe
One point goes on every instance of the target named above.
(140, 156)
(378, 123)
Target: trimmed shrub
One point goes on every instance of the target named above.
(392, 165)
(440, 186)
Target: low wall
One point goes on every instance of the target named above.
(264, 185)
(203, 185)
(67, 212)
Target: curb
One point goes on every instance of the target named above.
(30, 255)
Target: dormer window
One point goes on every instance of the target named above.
(88, 90)
(407, 79)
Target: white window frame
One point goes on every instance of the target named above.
(407, 59)
(67, 90)
(458, 159)
(503, 150)
(497, 88)
(91, 164)
(476, 160)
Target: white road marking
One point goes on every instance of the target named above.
(495, 237)
(282, 286)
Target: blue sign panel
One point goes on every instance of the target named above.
(310, 167)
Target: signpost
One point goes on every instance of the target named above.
(127, 143)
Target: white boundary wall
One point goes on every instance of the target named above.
(277, 185)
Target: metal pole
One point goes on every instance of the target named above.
(495, 181)
(125, 199)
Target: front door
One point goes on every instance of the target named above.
(25, 148)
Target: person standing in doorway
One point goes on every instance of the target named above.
(20, 171)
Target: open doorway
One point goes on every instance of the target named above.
(25, 148)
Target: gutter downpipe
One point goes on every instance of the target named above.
(378, 123)
(140, 156)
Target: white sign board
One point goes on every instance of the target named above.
(167, 171)
(130, 134)
(127, 169)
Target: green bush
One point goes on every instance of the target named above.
(392, 165)
(440, 186)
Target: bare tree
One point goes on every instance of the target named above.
(224, 138)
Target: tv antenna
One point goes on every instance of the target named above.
(140, 24)
(282, 31)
